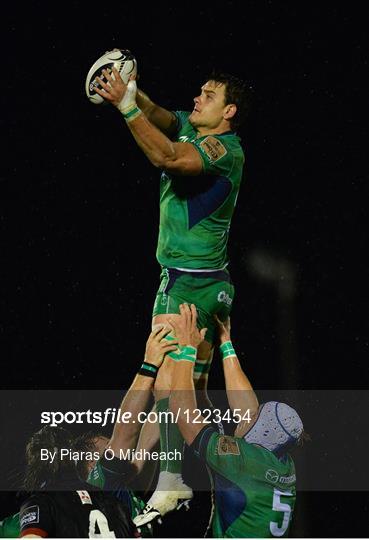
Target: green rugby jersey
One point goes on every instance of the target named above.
(254, 491)
(196, 212)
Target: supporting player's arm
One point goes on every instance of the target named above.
(182, 401)
(240, 393)
(125, 435)
(178, 158)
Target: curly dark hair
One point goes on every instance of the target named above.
(86, 443)
(44, 474)
(39, 473)
(237, 91)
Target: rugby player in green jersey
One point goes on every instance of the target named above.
(202, 160)
(253, 476)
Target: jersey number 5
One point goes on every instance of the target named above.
(279, 506)
(98, 518)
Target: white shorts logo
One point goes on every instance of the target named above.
(225, 298)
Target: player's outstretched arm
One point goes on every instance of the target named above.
(182, 401)
(161, 118)
(178, 158)
(240, 393)
(125, 435)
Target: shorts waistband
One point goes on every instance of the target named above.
(218, 275)
(206, 270)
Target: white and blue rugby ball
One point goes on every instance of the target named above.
(122, 59)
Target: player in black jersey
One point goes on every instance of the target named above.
(69, 508)
(61, 503)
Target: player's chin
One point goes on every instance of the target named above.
(192, 119)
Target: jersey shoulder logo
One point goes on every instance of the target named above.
(227, 445)
(213, 148)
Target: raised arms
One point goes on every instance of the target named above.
(178, 158)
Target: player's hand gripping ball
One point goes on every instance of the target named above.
(122, 59)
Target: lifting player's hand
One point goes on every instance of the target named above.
(224, 329)
(157, 347)
(115, 91)
(185, 326)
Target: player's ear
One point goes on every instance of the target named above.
(230, 111)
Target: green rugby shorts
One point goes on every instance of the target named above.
(211, 292)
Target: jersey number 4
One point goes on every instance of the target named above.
(279, 506)
(97, 518)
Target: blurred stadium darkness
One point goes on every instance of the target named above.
(79, 204)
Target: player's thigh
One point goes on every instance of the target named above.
(178, 287)
(165, 375)
(163, 380)
(204, 349)
(148, 440)
(212, 295)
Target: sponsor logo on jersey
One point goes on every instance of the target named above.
(272, 476)
(30, 515)
(183, 138)
(85, 497)
(213, 148)
(227, 445)
(287, 479)
(225, 298)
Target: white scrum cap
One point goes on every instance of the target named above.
(278, 426)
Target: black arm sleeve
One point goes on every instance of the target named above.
(35, 516)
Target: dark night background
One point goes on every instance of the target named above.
(79, 202)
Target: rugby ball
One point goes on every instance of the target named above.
(122, 59)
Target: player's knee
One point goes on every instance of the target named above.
(205, 351)
(157, 326)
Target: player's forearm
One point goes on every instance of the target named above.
(156, 146)
(126, 432)
(144, 102)
(160, 117)
(240, 393)
(182, 400)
